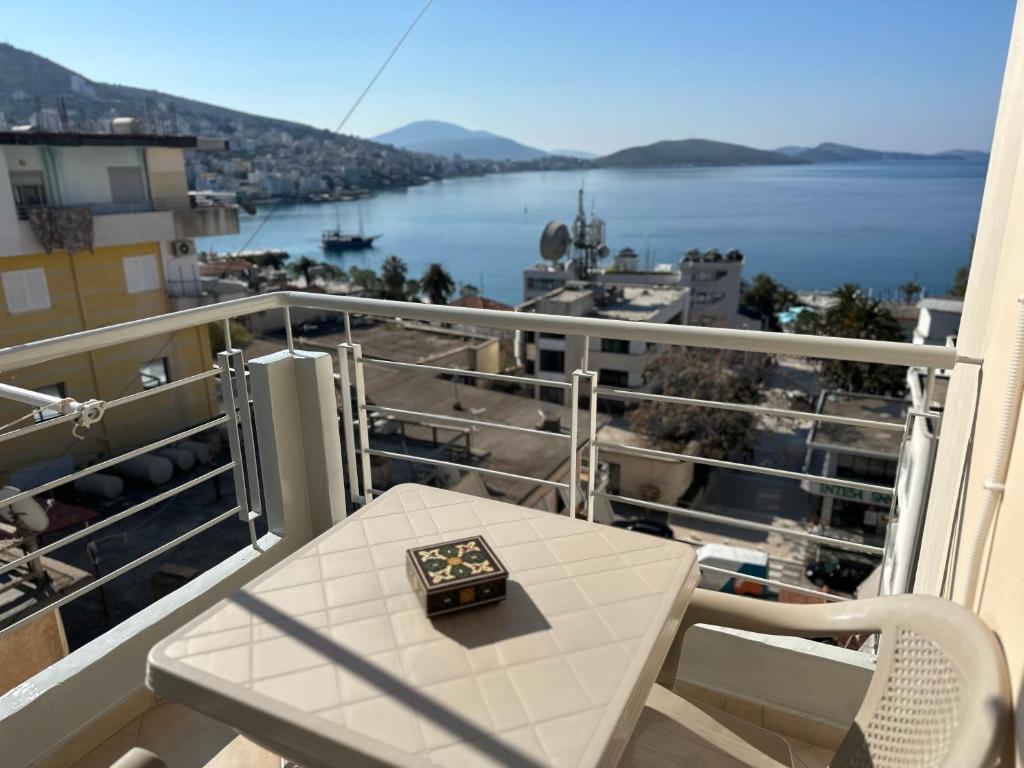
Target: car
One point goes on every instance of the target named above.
(646, 526)
(839, 574)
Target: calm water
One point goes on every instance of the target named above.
(811, 227)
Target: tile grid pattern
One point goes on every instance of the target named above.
(539, 679)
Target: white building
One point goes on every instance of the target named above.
(715, 282)
(620, 363)
(938, 320)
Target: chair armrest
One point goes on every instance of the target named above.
(139, 758)
(816, 620)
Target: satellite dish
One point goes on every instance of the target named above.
(554, 241)
(26, 513)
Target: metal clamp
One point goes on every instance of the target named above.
(90, 412)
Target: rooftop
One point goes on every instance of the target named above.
(873, 408)
(44, 139)
(639, 303)
(942, 305)
(481, 302)
(860, 406)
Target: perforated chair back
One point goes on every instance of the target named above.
(939, 697)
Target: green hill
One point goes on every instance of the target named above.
(693, 152)
(26, 78)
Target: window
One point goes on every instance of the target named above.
(140, 273)
(29, 191)
(528, 337)
(25, 290)
(552, 360)
(551, 395)
(126, 185)
(552, 336)
(154, 373)
(528, 365)
(618, 346)
(45, 414)
(613, 378)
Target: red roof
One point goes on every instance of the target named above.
(481, 302)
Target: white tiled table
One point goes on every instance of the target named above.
(329, 660)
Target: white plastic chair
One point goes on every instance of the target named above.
(939, 697)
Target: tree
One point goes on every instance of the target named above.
(856, 316)
(768, 298)
(437, 284)
(240, 336)
(910, 290)
(304, 268)
(706, 374)
(366, 279)
(959, 289)
(392, 279)
(468, 290)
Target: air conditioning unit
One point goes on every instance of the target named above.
(183, 247)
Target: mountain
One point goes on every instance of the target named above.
(27, 79)
(790, 150)
(439, 138)
(842, 153)
(693, 152)
(577, 153)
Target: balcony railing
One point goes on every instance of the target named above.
(184, 203)
(584, 450)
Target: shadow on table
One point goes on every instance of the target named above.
(515, 616)
(388, 683)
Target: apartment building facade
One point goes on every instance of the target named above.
(619, 362)
(97, 230)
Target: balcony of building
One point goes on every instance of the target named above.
(312, 430)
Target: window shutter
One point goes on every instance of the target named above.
(26, 290)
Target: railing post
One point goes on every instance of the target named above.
(574, 430)
(346, 418)
(592, 447)
(249, 437)
(227, 387)
(364, 417)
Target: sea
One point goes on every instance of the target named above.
(811, 227)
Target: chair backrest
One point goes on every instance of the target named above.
(939, 697)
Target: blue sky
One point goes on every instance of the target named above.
(918, 75)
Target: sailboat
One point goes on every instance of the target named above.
(335, 240)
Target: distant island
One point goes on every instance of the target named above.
(692, 152)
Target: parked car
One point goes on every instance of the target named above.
(646, 526)
(839, 574)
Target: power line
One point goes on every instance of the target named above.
(352, 109)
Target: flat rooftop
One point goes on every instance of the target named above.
(860, 406)
(401, 342)
(955, 306)
(639, 302)
(47, 139)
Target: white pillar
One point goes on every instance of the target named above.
(299, 443)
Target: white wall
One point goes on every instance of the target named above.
(82, 171)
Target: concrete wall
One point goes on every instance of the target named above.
(974, 403)
(638, 475)
(87, 291)
(82, 171)
(166, 167)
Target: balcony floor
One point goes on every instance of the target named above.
(187, 739)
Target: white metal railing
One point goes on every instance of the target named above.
(358, 451)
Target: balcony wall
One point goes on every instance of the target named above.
(206, 221)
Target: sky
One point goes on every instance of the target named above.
(600, 75)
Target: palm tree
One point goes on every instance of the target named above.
(304, 268)
(392, 274)
(437, 284)
(910, 289)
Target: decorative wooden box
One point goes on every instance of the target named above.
(454, 575)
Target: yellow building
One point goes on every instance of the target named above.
(96, 230)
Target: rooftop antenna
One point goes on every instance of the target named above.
(62, 110)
